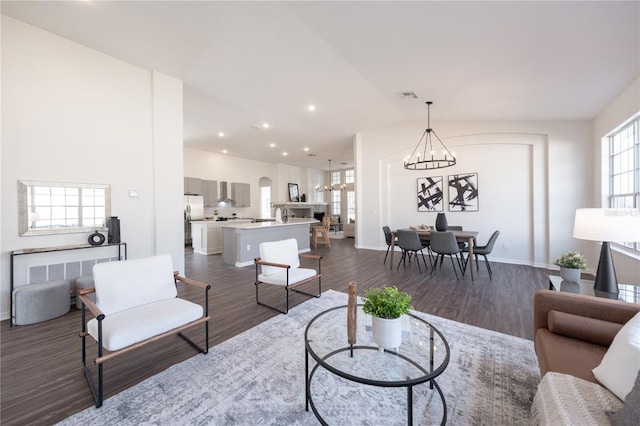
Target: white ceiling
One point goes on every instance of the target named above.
(244, 63)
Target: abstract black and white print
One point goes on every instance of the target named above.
(463, 192)
(430, 196)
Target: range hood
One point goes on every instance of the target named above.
(224, 193)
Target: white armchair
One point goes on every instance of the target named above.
(279, 264)
(136, 304)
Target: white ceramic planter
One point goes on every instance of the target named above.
(387, 333)
(570, 274)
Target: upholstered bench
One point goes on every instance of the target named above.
(39, 302)
(82, 283)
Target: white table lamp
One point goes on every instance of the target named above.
(606, 225)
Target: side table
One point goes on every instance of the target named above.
(627, 293)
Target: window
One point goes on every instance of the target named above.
(351, 205)
(335, 178)
(349, 176)
(335, 202)
(55, 208)
(624, 169)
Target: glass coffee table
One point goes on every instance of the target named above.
(422, 356)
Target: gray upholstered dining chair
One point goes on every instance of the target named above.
(484, 251)
(462, 245)
(388, 239)
(445, 244)
(409, 242)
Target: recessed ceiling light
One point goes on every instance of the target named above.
(272, 145)
(311, 107)
(285, 154)
(224, 151)
(306, 149)
(265, 125)
(221, 134)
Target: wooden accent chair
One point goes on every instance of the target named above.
(279, 264)
(322, 231)
(136, 304)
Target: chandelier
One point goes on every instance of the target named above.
(331, 187)
(430, 156)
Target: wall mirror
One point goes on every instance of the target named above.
(61, 208)
(293, 192)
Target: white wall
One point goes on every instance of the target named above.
(71, 114)
(531, 177)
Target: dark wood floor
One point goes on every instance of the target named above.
(42, 382)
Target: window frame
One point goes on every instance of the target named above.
(624, 150)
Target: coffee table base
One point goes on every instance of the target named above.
(309, 376)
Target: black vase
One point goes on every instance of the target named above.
(113, 225)
(441, 222)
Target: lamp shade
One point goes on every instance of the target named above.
(617, 225)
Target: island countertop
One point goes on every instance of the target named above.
(259, 225)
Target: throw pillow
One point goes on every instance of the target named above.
(629, 414)
(620, 365)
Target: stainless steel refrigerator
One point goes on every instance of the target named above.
(193, 210)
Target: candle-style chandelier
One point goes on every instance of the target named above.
(430, 156)
(330, 187)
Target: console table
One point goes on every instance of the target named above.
(628, 293)
(32, 265)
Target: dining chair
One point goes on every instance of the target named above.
(444, 244)
(409, 242)
(388, 239)
(484, 251)
(462, 245)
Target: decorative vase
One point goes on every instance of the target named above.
(570, 274)
(441, 222)
(387, 333)
(113, 225)
(96, 239)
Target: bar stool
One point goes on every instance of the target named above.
(323, 231)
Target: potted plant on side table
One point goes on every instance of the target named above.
(386, 306)
(570, 263)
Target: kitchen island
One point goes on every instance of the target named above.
(207, 235)
(241, 241)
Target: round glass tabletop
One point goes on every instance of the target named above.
(422, 355)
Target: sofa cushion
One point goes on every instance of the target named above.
(125, 284)
(567, 355)
(620, 365)
(562, 399)
(130, 326)
(583, 328)
(629, 414)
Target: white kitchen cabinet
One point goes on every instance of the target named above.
(210, 193)
(207, 235)
(192, 186)
(241, 194)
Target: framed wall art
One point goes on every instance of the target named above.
(430, 196)
(463, 192)
(293, 192)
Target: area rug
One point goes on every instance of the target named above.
(257, 378)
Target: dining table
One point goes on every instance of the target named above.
(468, 237)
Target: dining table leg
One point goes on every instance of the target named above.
(470, 242)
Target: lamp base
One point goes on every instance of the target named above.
(606, 279)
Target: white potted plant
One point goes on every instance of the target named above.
(386, 306)
(570, 263)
